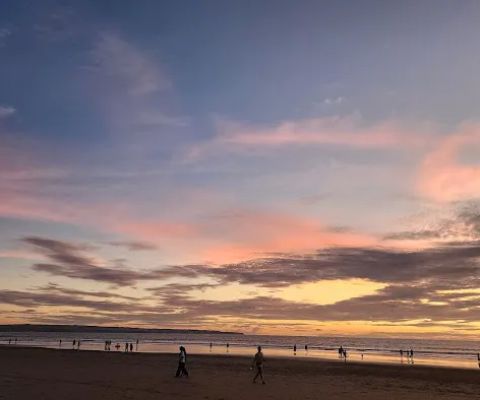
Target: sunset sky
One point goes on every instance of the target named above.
(290, 167)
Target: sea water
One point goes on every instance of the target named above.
(447, 353)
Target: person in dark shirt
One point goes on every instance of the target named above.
(258, 365)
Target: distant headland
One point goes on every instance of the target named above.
(104, 329)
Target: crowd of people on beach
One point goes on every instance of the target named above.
(107, 345)
(258, 360)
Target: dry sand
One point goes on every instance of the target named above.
(40, 374)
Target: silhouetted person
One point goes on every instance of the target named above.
(344, 355)
(131, 347)
(211, 344)
(228, 346)
(78, 344)
(182, 362)
(306, 347)
(340, 352)
(9, 341)
(60, 343)
(117, 346)
(74, 343)
(294, 349)
(258, 365)
(126, 347)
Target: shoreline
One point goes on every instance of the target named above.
(313, 354)
(326, 361)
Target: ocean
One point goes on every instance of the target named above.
(446, 353)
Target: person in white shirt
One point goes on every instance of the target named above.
(182, 361)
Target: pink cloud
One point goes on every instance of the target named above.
(339, 131)
(248, 234)
(155, 230)
(442, 175)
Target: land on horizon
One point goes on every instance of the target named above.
(103, 329)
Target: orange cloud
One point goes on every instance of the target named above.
(442, 176)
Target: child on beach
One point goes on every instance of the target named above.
(258, 364)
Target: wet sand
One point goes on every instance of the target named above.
(43, 374)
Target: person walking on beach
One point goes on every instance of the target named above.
(74, 343)
(182, 362)
(258, 365)
(131, 347)
(117, 346)
(126, 347)
(78, 344)
(340, 352)
(295, 349)
(306, 347)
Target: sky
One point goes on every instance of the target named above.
(270, 167)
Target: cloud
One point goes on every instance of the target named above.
(349, 132)
(120, 63)
(443, 177)
(33, 299)
(257, 234)
(4, 34)
(435, 284)
(6, 111)
(134, 93)
(397, 304)
(462, 225)
(333, 101)
(58, 24)
(55, 288)
(69, 260)
(134, 245)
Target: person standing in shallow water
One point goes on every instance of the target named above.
(258, 365)
(182, 363)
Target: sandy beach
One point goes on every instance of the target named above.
(42, 374)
